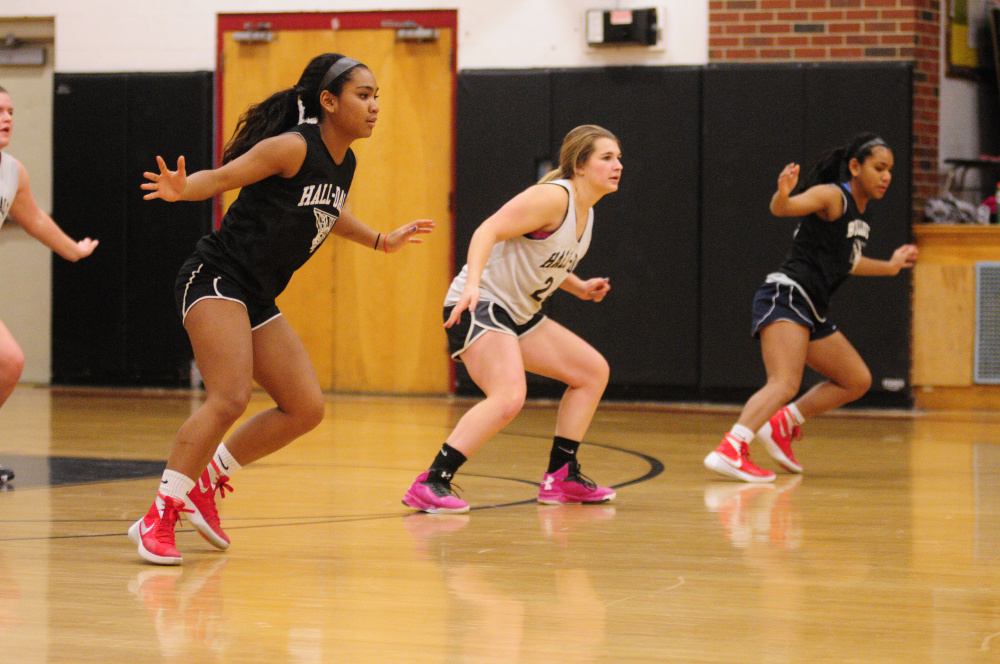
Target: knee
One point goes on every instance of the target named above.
(860, 383)
(786, 387)
(231, 404)
(510, 402)
(592, 375)
(600, 373)
(11, 366)
(310, 412)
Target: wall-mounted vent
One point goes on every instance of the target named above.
(987, 322)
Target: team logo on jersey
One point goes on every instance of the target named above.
(858, 228)
(5, 204)
(324, 222)
(561, 260)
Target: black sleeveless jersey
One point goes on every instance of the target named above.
(823, 253)
(275, 225)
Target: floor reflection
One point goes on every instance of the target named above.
(553, 613)
(186, 608)
(757, 513)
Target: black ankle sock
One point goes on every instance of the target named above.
(447, 462)
(563, 452)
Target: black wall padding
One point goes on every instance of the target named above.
(503, 133)
(646, 234)
(756, 119)
(113, 319)
(502, 137)
(874, 313)
(752, 125)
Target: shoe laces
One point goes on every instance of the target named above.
(164, 532)
(441, 487)
(796, 433)
(208, 510)
(574, 475)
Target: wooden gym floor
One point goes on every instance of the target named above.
(886, 550)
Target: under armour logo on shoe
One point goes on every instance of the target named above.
(547, 484)
(445, 475)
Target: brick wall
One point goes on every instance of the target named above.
(844, 30)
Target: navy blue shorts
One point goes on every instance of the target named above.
(198, 281)
(489, 316)
(774, 302)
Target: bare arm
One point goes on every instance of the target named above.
(25, 211)
(824, 200)
(591, 289)
(351, 228)
(904, 257)
(541, 207)
(279, 155)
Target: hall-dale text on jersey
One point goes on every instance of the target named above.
(561, 260)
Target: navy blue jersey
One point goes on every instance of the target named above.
(275, 225)
(824, 253)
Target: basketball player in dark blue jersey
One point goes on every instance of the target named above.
(790, 309)
(294, 178)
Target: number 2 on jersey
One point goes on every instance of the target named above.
(542, 293)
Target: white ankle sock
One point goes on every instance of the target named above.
(176, 485)
(224, 464)
(742, 433)
(794, 410)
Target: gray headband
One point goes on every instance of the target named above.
(338, 68)
(870, 144)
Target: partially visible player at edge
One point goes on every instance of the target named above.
(295, 177)
(17, 201)
(517, 258)
(790, 308)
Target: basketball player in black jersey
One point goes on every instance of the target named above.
(295, 177)
(789, 310)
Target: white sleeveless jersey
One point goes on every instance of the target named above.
(9, 177)
(523, 271)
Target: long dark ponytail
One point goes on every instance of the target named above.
(832, 165)
(280, 112)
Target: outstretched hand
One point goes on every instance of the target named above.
(167, 184)
(595, 289)
(407, 234)
(788, 178)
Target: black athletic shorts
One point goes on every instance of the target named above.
(198, 280)
(776, 301)
(489, 316)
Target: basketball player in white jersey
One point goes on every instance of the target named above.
(17, 202)
(518, 258)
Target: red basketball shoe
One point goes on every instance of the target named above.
(778, 435)
(154, 533)
(732, 459)
(204, 516)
